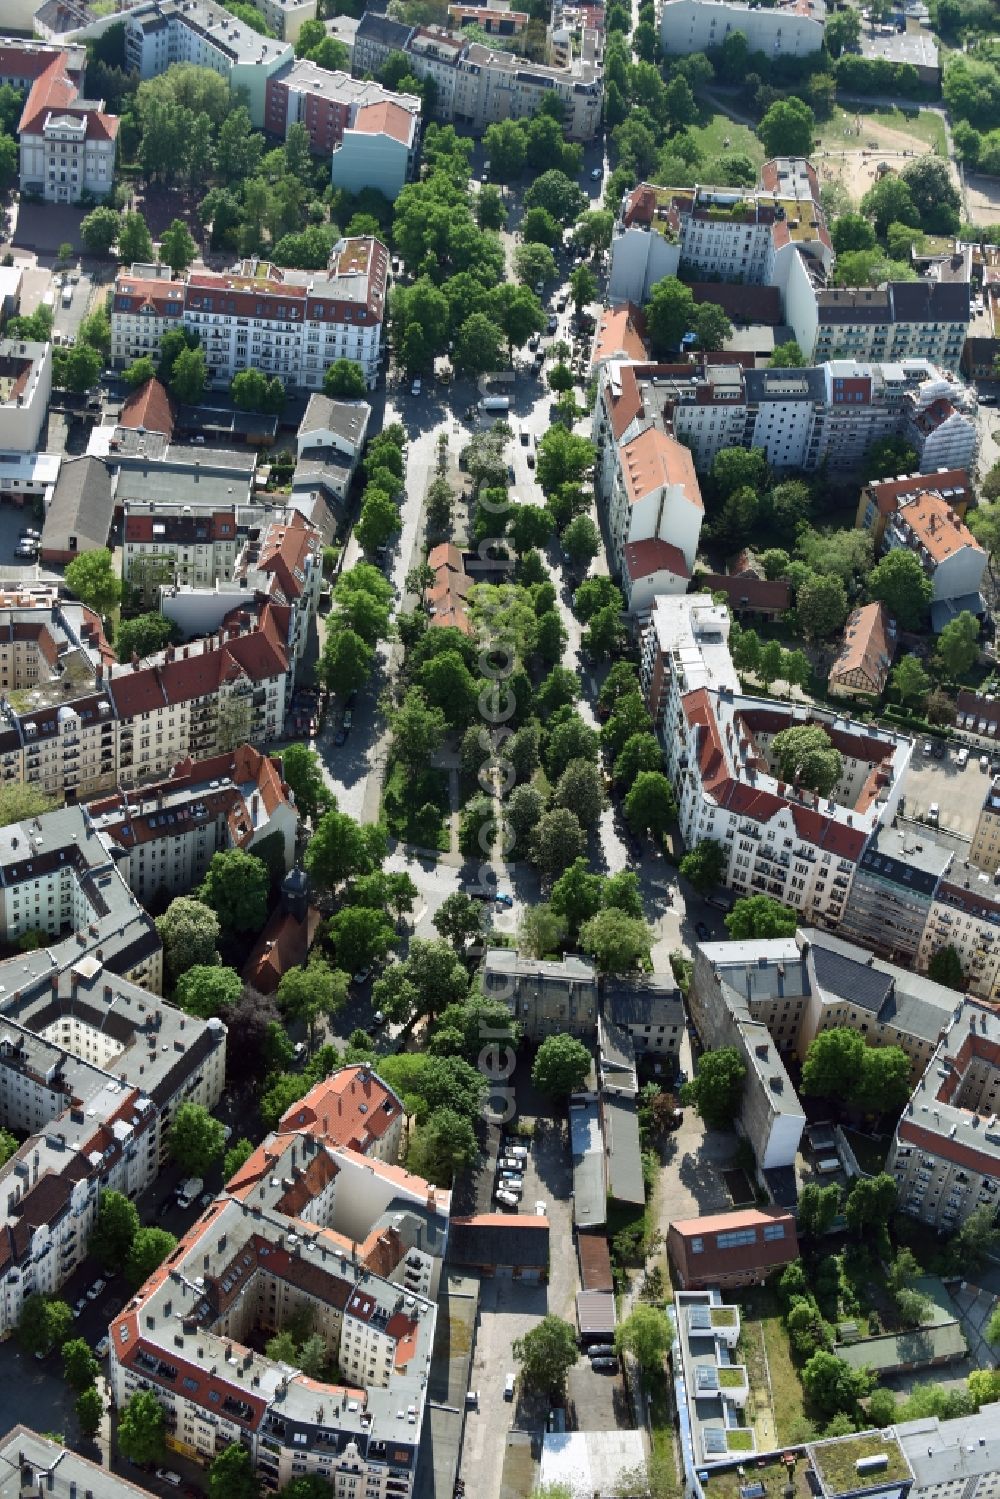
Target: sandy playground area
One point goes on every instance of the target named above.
(855, 167)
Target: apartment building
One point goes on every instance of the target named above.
(67, 143)
(984, 851)
(164, 834)
(949, 554)
(965, 915)
(329, 104)
(308, 1227)
(792, 28)
(654, 515)
(544, 997)
(927, 319)
(866, 651)
(363, 1110)
(380, 150)
(176, 544)
(892, 891)
(881, 499)
(750, 235)
(23, 60)
(161, 32)
(286, 17)
(284, 561)
(286, 323)
(31, 1464)
(375, 38)
(945, 1154)
(779, 839)
(801, 418)
(717, 1387)
(25, 387)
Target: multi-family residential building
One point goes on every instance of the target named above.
(174, 544)
(286, 17)
(376, 37)
(778, 838)
(92, 1066)
(39, 1465)
(23, 60)
(286, 323)
(161, 32)
(354, 1102)
(926, 319)
(984, 850)
(965, 915)
(751, 235)
(792, 28)
(949, 554)
(717, 1386)
(67, 143)
(862, 666)
(163, 834)
(25, 386)
(801, 418)
(495, 19)
(339, 112)
(284, 560)
(544, 997)
(945, 1154)
(309, 1226)
(654, 515)
(881, 499)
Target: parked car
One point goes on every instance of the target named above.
(78, 1305)
(506, 1199)
(340, 738)
(99, 1285)
(601, 1350)
(604, 1363)
(348, 718)
(596, 174)
(167, 1475)
(927, 749)
(933, 813)
(963, 758)
(701, 931)
(29, 535)
(508, 1387)
(416, 388)
(103, 1348)
(531, 460)
(503, 899)
(26, 550)
(525, 437)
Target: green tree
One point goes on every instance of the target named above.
(135, 242)
(534, 262)
(44, 1323)
(821, 605)
(759, 916)
(561, 1065)
(957, 646)
(541, 931)
(870, 1202)
(716, 1090)
(189, 932)
(617, 942)
(89, 1412)
(900, 584)
(20, 802)
(231, 1475)
(341, 847)
(581, 541)
(976, 1237)
(302, 771)
(207, 990)
(236, 1157)
(581, 790)
(311, 992)
(805, 756)
(546, 1354)
(833, 1063)
(114, 1230)
(459, 920)
(505, 146)
(852, 231)
(344, 380)
(884, 1084)
(80, 1367)
(787, 356)
(670, 313)
(77, 369)
(711, 325)
(418, 730)
(582, 287)
(787, 128)
(640, 752)
(195, 1139)
(887, 458)
(150, 1248)
(818, 1208)
(704, 866)
(934, 194)
(139, 372)
(9, 1144)
(345, 662)
(177, 248)
(843, 32)
(91, 577)
(832, 1385)
(142, 1429)
(558, 840)
(649, 805)
(479, 345)
(236, 888)
(910, 680)
(361, 937)
(189, 376)
(142, 636)
(739, 468)
(945, 967)
(445, 1144)
(99, 230)
(647, 1334)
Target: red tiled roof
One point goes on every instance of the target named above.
(747, 592)
(888, 492)
(148, 409)
(351, 1107)
(55, 92)
(386, 118)
(644, 558)
(282, 945)
(653, 460)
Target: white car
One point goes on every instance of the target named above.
(597, 174)
(104, 1347)
(506, 1199)
(167, 1475)
(96, 1289)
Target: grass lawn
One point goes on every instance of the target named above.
(786, 1387)
(716, 129)
(838, 132)
(418, 812)
(836, 1460)
(663, 1460)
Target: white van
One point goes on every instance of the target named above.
(933, 813)
(963, 758)
(506, 1199)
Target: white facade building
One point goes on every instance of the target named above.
(792, 28)
(67, 144)
(286, 323)
(25, 387)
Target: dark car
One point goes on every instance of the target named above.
(340, 737)
(701, 931)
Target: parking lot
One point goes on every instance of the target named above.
(958, 791)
